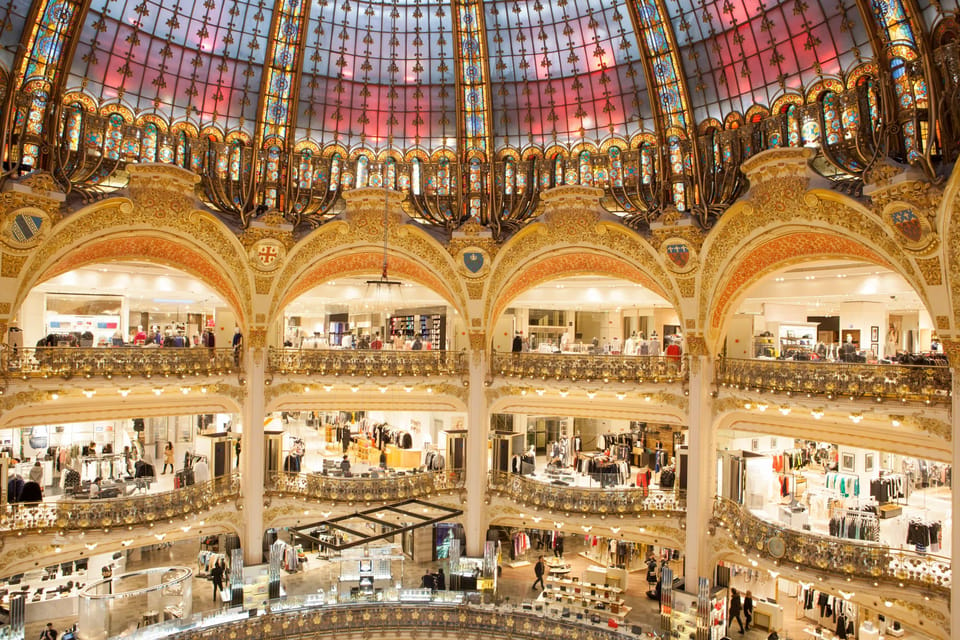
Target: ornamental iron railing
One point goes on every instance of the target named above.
(837, 556)
(109, 362)
(913, 383)
(70, 514)
(377, 620)
(589, 368)
(315, 486)
(366, 362)
(590, 501)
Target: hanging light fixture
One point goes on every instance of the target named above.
(383, 293)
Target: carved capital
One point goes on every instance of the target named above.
(365, 212)
(951, 348)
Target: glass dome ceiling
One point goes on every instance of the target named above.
(460, 76)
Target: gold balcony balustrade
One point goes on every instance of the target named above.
(914, 383)
(837, 556)
(588, 368)
(366, 362)
(129, 511)
(315, 486)
(584, 500)
(111, 362)
(298, 618)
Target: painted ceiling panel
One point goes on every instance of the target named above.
(736, 54)
(179, 60)
(564, 72)
(13, 20)
(350, 46)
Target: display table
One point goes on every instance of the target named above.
(588, 598)
(402, 458)
(794, 519)
(889, 510)
(767, 615)
(607, 576)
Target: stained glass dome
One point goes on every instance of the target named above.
(653, 88)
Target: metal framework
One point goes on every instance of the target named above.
(400, 509)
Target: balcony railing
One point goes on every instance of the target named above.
(366, 362)
(915, 383)
(148, 508)
(299, 618)
(588, 368)
(314, 486)
(847, 558)
(110, 362)
(594, 501)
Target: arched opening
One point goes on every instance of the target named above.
(837, 342)
(96, 335)
(346, 296)
(814, 310)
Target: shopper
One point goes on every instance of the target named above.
(538, 570)
(345, 466)
(440, 580)
(735, 609)
(236, 449)
(417, 345)
(167, 457)
(747, 610)
(49, 633)
(95, 487)
(36, 473)
(216, 575)
(558, 546)
(517, 346)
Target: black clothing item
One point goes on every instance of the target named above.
(538, 568)
(748, 611)
(558, 547)
(440, 581)
(48, 634)
(735, 606)
(517, 344)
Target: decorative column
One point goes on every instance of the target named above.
(478, 425)
(701, 470)
(952, 349)
(251, 453)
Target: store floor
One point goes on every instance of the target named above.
(931, 504)
(514, 586)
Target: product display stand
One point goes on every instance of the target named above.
(585, 597)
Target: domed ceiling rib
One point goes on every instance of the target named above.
(38, 67)
(278, 95)
(473, 112)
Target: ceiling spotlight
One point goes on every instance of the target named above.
(383, 389)
(856, 417)
(184, 390)
(591, 394)
(354, 388)
(408, 388)
(621, 395)
(89, 392)
(895, 420)
(123, 392)
(564, 393)
(540, 392)
(328, 388)
(785, 410)
(157, 391)
(761, 406)
(816, 413)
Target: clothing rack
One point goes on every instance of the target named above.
(855, 524)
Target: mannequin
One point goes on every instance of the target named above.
(654, 345)
(630, 346)
(849, 350)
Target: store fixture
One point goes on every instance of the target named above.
(159, 594)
